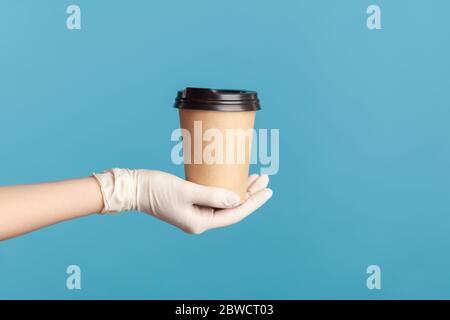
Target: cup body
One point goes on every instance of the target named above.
(217, 148)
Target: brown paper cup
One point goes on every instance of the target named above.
(217, 136)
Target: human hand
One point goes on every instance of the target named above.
(191, 207)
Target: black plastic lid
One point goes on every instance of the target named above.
(217, 99)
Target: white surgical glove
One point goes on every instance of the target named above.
(191, 207)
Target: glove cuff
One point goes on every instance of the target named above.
(118, 187)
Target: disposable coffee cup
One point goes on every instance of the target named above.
(217, 130)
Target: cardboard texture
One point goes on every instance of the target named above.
(219, 157)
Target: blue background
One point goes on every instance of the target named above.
(364, 124)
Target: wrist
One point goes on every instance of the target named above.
(118, 188)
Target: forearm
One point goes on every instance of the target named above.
(25, 208)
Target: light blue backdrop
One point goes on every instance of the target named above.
(364, 122)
